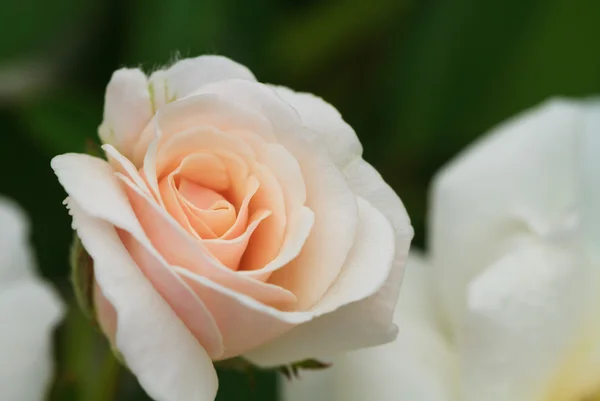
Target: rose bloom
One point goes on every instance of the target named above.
(231, 218)
(29, 312)
(506, 305)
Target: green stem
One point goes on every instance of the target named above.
(107, 380)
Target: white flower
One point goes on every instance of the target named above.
(29, 312)
(509, 307)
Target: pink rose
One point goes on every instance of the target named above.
(232, 218)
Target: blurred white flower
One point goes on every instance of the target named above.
(29, 311)
(507, 305)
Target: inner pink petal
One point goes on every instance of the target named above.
(208, 206)
(180, 249)
(206, 170)
(201, 197)
(197, 140)
(266, 242)
(230, 252)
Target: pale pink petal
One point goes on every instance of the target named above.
(168, 361)
(266, 242)
(243, 322)
(173, 150)
(175, 208)
(328, 195)
(230, 252)
(203, 110)
(205, 169)
(127, 110)
(186, 76)
(92, 184)
(124, 166)
(188, 307)
(297, 231)
(345, 307)
(181, 249)
(321, 117)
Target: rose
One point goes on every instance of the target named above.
(29, 312)
(232, 218)
(506, 305)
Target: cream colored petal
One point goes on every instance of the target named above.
(127, 110)
(524, 320)
(321, 117)
(188, 75)
(345, 320)
(168, 361)
(520, 178)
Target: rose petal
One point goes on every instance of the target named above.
(186, 76)
(127, 110)
(532, 159)
(167, 360)
(367, 267)
(188, 307)
(298, 229)
(91, 183)
(589, 147)
(328, 196)
(230, 252)
(16, 256)
(367, 183)
(524, 319)
(321, 117)
(244, 323)
(29, 312)
(266, 242)
(201, 110)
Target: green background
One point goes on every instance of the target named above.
(418, 80)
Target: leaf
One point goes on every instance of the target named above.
(82, 277)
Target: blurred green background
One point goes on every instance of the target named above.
(418, 80)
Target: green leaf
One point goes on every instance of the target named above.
(82, 277)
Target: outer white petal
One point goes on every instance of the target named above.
(520, 178)
(352, 323)
(319, 116)
(16, 255)
(589, 146)
(367, 183)
(524, 320)
(417, 366)
(167, 360)
(127, 110)
(29, 312)
(587, 377)
(188, 75)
